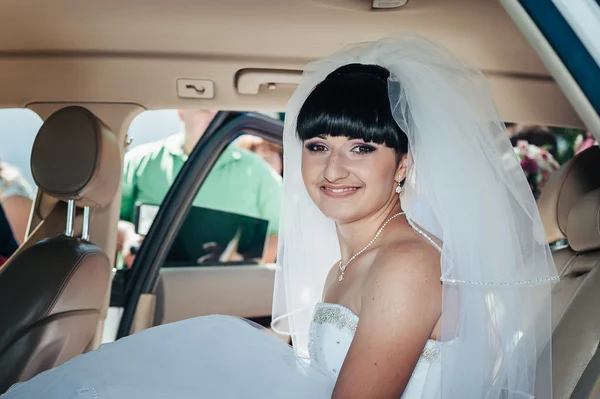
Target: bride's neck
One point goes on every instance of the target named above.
(356, 235)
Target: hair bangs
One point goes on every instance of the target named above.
(352, 102)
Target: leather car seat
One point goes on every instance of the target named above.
(52, 291)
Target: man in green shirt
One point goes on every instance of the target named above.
(239, 182)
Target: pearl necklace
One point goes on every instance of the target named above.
(343, 266)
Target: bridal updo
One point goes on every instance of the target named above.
(352, 102)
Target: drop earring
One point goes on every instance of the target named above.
(399, 186)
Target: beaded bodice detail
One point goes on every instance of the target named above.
(331, 333)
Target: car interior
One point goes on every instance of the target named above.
(88, 69)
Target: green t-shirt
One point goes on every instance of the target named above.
(240, 181)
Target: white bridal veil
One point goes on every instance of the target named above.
(466, 187)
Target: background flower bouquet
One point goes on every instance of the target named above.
(537, 163)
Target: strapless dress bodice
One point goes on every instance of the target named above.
(331, 334)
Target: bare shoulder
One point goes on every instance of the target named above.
(401, 304)
(408, 262)
(403, 287)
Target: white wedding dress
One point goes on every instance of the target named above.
(331, 334)
(213, 357)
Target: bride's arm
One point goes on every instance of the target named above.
(401, 305)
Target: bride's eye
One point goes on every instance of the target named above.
(315, 147)
(363, 149)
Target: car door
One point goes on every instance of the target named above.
(152, 294)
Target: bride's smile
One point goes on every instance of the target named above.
(339, 191)
(349, 179)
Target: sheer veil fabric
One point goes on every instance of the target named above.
(464, 186)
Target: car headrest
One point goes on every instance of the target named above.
(583, 228)
(565, 188)
(75, 156)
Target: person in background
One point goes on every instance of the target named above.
(16, 199)
(270, 152)
(537, 135)
(240, 181)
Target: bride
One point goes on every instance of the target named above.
(412, 259)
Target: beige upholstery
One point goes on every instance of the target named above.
(76, 156)
(570, 206)
(575, 179)
(52, 291)
(583, 226)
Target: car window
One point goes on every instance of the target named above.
(542, 150)
(234, 217)
(18, 128)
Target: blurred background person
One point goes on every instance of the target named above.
(240, 182)
(272, 153)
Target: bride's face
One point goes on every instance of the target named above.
(348, 179)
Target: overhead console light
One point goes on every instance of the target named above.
(381, 4)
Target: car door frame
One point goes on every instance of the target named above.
(223, 130)
(563, 53)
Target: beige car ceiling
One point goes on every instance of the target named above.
(136, 51)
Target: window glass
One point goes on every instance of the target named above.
(543, 149)
(18, 128)
(235, 216)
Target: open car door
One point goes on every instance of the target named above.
(157, 289)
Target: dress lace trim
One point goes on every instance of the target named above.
(345, 319)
